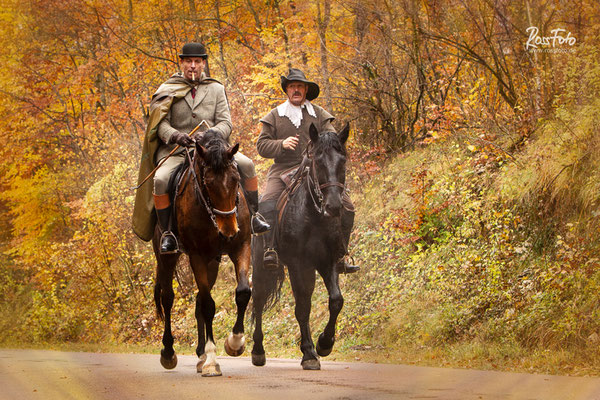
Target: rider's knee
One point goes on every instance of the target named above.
(245, 165)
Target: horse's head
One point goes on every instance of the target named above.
(329, 154)
(220, 180)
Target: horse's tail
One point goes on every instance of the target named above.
(159, 310)
(268, 291)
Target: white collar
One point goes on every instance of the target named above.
(294, 113)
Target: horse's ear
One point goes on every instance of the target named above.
(232, 150)
(201, 151)
(314, 134)
(343, 135)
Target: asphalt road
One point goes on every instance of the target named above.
(40, 374)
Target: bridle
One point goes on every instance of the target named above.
(315, 189)
(200, 184)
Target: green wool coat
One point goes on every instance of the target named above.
(144, 217)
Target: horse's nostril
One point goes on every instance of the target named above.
(228, 236)
(331, 211)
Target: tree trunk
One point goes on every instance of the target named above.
(323, 23)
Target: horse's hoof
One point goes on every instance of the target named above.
(312, 364)
(211, 370)
(235, 341)
(259, 360)
(168, 363)
(200, 363)
(324, 349)
(323, 352)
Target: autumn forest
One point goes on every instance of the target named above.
(474, 164)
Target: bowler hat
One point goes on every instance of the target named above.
(297, 75)
(193, 50)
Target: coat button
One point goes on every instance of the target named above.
(193, 115)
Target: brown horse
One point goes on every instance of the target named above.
(212, 219)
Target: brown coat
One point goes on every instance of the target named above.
(276, 129)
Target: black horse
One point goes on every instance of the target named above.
(311, 235)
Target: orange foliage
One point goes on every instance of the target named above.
(77, 79)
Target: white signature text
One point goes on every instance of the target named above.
(558, 38)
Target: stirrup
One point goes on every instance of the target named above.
(344, 267)
(260, 219)
(164, 235)
(270, 259)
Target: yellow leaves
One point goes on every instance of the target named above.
(35, 205)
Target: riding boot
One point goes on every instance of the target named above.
(270, 257)
(168, 241)
(343, 266)
(259, 224)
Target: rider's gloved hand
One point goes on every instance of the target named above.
(181, 139)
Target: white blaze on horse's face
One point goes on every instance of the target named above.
(192, 67)
(296, 92)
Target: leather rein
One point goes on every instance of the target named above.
(200, 184)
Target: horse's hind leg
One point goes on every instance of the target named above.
(259, 299)
(258, 351)
(336, 302)
(163, 297)
(235, 343)
(206, 275)
(302, 280)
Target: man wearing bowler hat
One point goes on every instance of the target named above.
(178, 106)
(284, 136)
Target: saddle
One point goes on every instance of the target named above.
(173, 188)
(292, 178)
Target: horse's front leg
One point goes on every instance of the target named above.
(302, 279)
(163, 297)
(201, 328)
(260, 293)
(236, 342)
(258, 351)
(336, 302)
(206, 275)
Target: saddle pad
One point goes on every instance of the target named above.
(287, 176)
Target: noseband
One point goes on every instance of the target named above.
(205, 200)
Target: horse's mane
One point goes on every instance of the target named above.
(328, 140)
(216, 149)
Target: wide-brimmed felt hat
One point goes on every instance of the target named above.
(295, 74)
(193, 50)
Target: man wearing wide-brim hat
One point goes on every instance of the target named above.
(179, 105)
(284, 136)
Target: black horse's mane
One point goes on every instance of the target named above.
(216, 149)
(328, 140)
